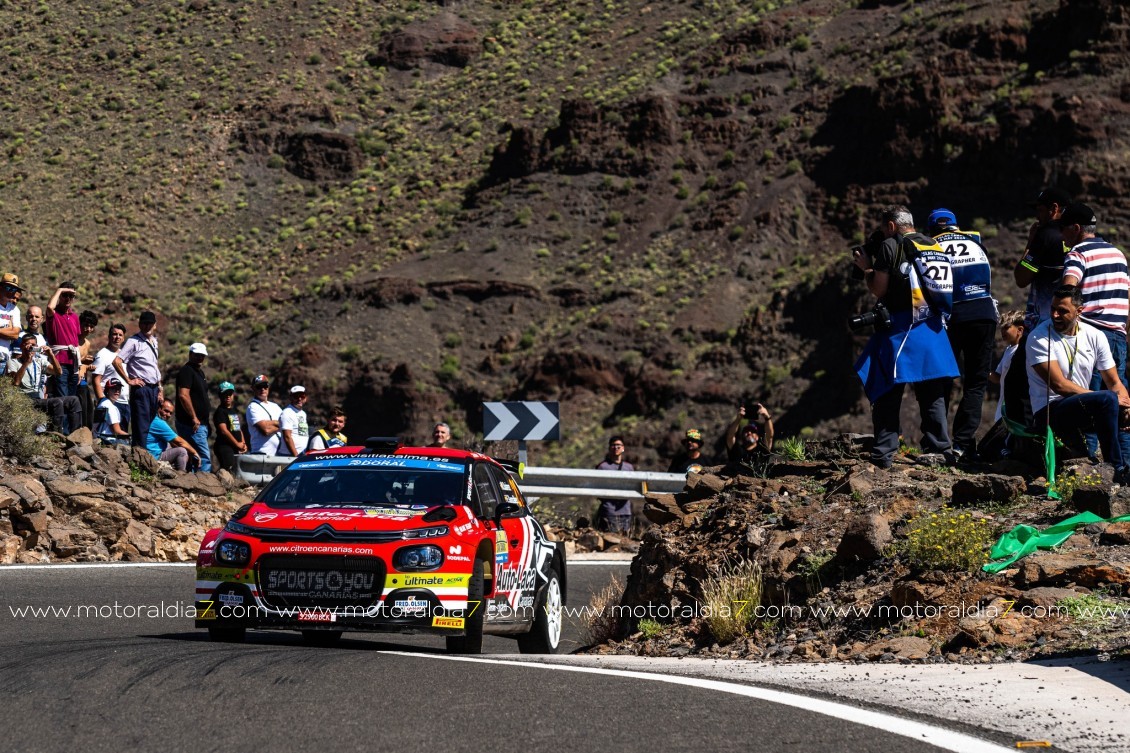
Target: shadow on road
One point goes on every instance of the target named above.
(1113, 671)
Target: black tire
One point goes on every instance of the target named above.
(471, 642)
(227, 634)
(322, 638)
(545, 634)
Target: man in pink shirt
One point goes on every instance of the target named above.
(62, 330)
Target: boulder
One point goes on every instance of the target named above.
(1116, 534)
(703, 485)
(1093, 492)
(108, 520)
(144, 461)
(661, 508)
(35, 522)
(139, 536)
(10, 547)
(70, 540)
(62, 487)
(81, 436)
(205, 484)
(866, 537)
(1045, 597)
(1052, 569)
(987, 488)
(27, 488)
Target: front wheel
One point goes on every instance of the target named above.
(545, 635)
(471, 642)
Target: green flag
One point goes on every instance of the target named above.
(1049, 463)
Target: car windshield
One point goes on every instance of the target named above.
(366, 482)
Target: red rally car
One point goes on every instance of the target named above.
(390, 539)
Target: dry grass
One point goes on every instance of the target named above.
(730, 600)
(600, 623)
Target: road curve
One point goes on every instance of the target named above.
(153, 682)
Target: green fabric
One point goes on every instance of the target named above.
(1049, 463)
(1023, 540)
(1019, 430)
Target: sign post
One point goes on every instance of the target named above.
(522, 421)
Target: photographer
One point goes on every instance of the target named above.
(30, 366)
(756, 436)
(913, 280)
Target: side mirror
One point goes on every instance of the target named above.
(505, 509)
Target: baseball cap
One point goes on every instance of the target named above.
(1050, 196)
(226, 387)
(11, 280)
(110, 383)
(1078, 214)
(298, 389)
(260, 380)
(198, 348)
(942, 218)
(694, 435)
(147, 317)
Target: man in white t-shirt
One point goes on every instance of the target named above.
(104, 360)
(1062, 354)
(10, 323)
(108, 426)
(293, 426)
(263, 418)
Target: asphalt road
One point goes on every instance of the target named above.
(155, 683)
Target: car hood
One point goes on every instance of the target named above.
(383, 517)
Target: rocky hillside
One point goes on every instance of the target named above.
(640, 209)
(866, 565)
(82, 503)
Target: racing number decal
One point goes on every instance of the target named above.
(936, 272)
(958, 249)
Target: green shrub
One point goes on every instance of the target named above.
(18, 439)
(650, 628)
(948, 540)
(791, 448)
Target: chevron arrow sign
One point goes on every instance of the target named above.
(525, 420)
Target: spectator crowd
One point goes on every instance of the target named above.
(118, 391)
(935, 322)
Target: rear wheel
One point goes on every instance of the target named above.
(471, 642)
(227, 634)
(321, 637)
(545, 635)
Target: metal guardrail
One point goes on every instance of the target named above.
(260, 469)
(584, 482)
(536, 482)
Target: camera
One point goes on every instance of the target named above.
(878, 317)
(868, 250)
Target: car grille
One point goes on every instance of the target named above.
(320, 581)
(327, 533)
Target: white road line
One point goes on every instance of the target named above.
(92, 565)
(896, 725)
(622, 563)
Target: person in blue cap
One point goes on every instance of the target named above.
(230, 438)
(972, 324)
(912, 278)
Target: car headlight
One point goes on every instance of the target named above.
(231, 552)
(418, 558)
(239, 528)
(431, 532)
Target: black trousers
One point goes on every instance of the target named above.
(972, 344)
(885, 411)
(62, 411)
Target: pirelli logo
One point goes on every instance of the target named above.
(448, 622)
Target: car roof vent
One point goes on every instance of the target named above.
(383, 444)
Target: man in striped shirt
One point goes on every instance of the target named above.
(1100, 271)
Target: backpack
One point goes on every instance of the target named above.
(930, 274)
